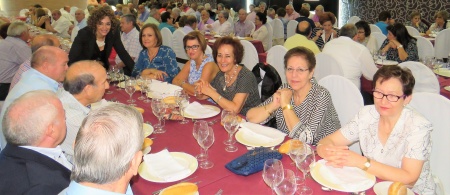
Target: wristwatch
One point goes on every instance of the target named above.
(366, 164)
(288, 106)
(399, 46)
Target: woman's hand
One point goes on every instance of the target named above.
(154, 74)
(335, 155)
(335, 34)
(206, 88)
(276, 100)
(285, 96)
(351, 159)
(319, 33)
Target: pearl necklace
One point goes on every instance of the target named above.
(227, 81)
(100, 43)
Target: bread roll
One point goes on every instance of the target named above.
(147, 142)
(141, 110)
(185, 188)
(397, 188)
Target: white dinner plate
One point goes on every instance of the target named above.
(382, 188)
(246, 140)
(182, 158)
(442, 72)
(386, 62)
(447, 88)
(214, 111)
(325, 181)
(148, 129)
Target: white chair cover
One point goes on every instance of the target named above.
(353, 20)
(275, 57)
(436, 109)
(208, 50)
(22, 12)
(278, 32)
(250, 55)
(424, 47)
(412, 31)
(178, 47)
(379, 36)
(326, 65)
(290, 29)
(73, 10)
(426, 81)
(270, 34)
(441, 45)
(74, 33)
(347, 100)
(253, 26)
(167, 37)
(375, 28)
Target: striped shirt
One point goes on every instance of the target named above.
(13, 52)
(131, 43)
(22, 68)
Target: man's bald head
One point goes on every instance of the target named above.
(50, 61)
(304, 28)
(44, 40)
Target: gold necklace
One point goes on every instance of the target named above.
(227, 81)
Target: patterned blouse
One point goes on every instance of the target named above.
(410, 138)
(422, 28)
(194, 74)
(411, 50)
(318, 117)
(163, 61)
(321, 41)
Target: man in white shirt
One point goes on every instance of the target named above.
(270, 14)
(221, 26)
(354, 58)
(65, 12)
(60, 26)
(243, 27)
(129, 37)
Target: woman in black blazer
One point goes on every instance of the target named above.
(96, 40)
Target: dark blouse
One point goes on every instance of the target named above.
(411, 49)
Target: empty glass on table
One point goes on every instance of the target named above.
(199, 124)
(273, 173)
(304, 166)
(205, 138)
(288, 185)
(182, 100)
(231, 123)
(130, 88)
(159, 109)
(140, 83)
(147, 82)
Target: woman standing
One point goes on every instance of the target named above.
(399, 45)
(261, 33)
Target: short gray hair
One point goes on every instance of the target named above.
(225, 14)
(306, 5)
(28, 117)
(176, 10)
(207, 6)
(348, 30)
(108, 139)
(130, 18)
(16, 29)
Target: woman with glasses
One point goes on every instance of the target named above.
(201, 65)
(364, 37)
(303, 109)
(394, 138)
(440, 23)
(156, 61)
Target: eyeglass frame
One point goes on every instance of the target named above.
(298, 70)
(194, 47)
(387, 96)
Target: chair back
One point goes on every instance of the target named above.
(278, 31)
(424, 47)
(412, 31)
(441, 44)
(253, 26)
(353, 20)
(270, 34)
(436, 108)
(275, 57)
(426, 80)
(167, 37)
(326, 65)
(290, 29)
(347, 100)
(375, 28)
(250, 58)
(379, 36)
(177, 44)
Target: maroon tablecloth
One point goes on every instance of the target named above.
(178, 138)
(258, 45)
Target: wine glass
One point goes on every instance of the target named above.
(297, 154)
(223, 117)
(109, 78)
(159, 109)
(288, 185)
(374, 55)
(205, 138)
(130, 89)
(140, 83)
(273, 173)
(199, 124)
(304, 166)
(231, 124)
(182, 100)
(437, 64)
(382, 56)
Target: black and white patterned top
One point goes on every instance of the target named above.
(320, 41)
(245, 83)
(411, 50)
(318, 117)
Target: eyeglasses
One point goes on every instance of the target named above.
(361, 32)
(194, 47)
(298, 70)
(389, 97)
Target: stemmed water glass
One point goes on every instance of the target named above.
(297, 154)
(304, 166)
(223, 116)
(288, 185)
(140, 83)
(110, 78)
(146, 88)
(182, 100)
(119, 76)
(382, 56)
(273, 173)
(130, 89)
(231, 124)
(159, 108)
(205, 138)
(199, 124)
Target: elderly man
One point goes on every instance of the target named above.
(205, 20)
(60, 26)
(38, 42)
(353, 57)
(291, 14)
(243, 27)
(49, 66)
(303, 31)
(143, 14)
(318, 12)
(221, 26)
(13, 52)
(262, 7)
(107, 151)
(65, 12)
(270, 14)
(80, 20)
(32, 162)
(190, 24)
(154, 18)
(85, 84)
(129, 37)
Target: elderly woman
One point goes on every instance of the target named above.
(364, 37)
(156, 61)
(440, 23)
(416, 22)
(220, 8)
(96, 40)
(234, 88)
(326, 33)
(395, 139)
(302, 108)
(261, 33)
(201, 66)
(399, 45)
(221, 26)
(176, 15)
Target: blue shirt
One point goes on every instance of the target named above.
(165, 60)
(76, 188)
(144, 16)
(382, 26)
(194, 74)
(82, 24)
(165, 25)
(31, 80)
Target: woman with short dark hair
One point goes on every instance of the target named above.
(363, 36)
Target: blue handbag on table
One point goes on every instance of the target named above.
(252, 161)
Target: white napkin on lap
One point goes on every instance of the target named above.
(260, 132)
(197, 110)
(164, 166)
(349, 178)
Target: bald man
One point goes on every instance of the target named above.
(48, 68)
(291, 14)
(85, 83)
(32, 162)
(303, 31)
(65, 12)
